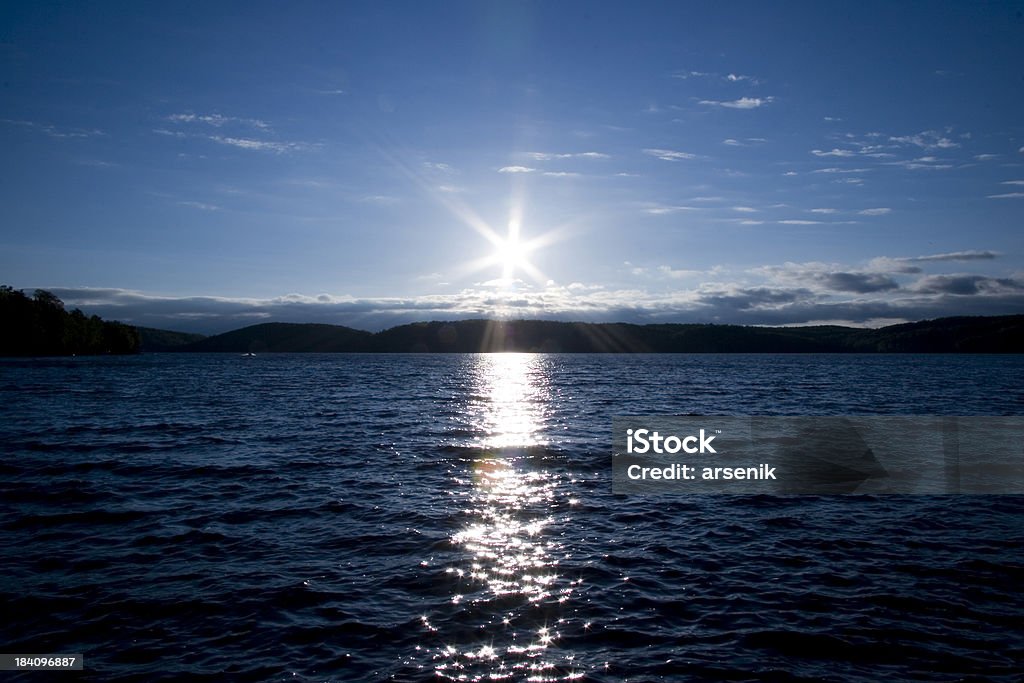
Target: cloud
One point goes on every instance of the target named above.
(218, 121)
(967, 285)
(1007, 195)
(516, 169)
(744, 209)
(678, 274)
(746, 142)
(548, 156)
(859, 283)
(824, 210)
(835, 169)
(833, 153)
(690, 74)
(832, 118)
(741, 103)
(561, 174)
(94, 163)
(927, 163)
(928, 139)
(382, 199)
(258, 145)
(660, 209)
(985, 157)
(669, 154)
(907, 264)
(972, 255)
(1012, 182)
(881, 211)
(797, 221)
(58, 132)
(200, 205)
(437, 166)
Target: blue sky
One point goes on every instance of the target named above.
(202, 166)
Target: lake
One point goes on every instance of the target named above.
(451, 517)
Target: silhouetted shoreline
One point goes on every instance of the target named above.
(994, 334)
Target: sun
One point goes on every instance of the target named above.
(511, 253)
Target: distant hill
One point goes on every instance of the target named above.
(286, 337)
(152, 339)
(999, 334)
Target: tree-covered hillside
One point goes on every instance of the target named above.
(39, 326)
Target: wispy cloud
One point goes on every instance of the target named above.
(985, 157)
(744, 209)
(927, 163)
(833, 153)
(835, 169)
(970, 255)
(798, 221)
(437, 166)
(728, 78)
(967, 285)
(217, 120)
(202, 206)
(1008, 195)
(741, 103)
(259, 145)
(669, 154)
(381, 199)
(57, 132)
(1012, 182)
(746, 142)
(908, 264)
(824, 210)
(928, 139)
(549, 156)
(881, 211)
(560, 174)
(516, 169)
(661, 209)
(690, 74)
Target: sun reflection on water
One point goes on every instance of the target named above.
(506, 610)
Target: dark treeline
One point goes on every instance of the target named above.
(39, 326)
(996, 334)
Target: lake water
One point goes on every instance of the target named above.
(450, 517)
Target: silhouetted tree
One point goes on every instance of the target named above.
(39, 326)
